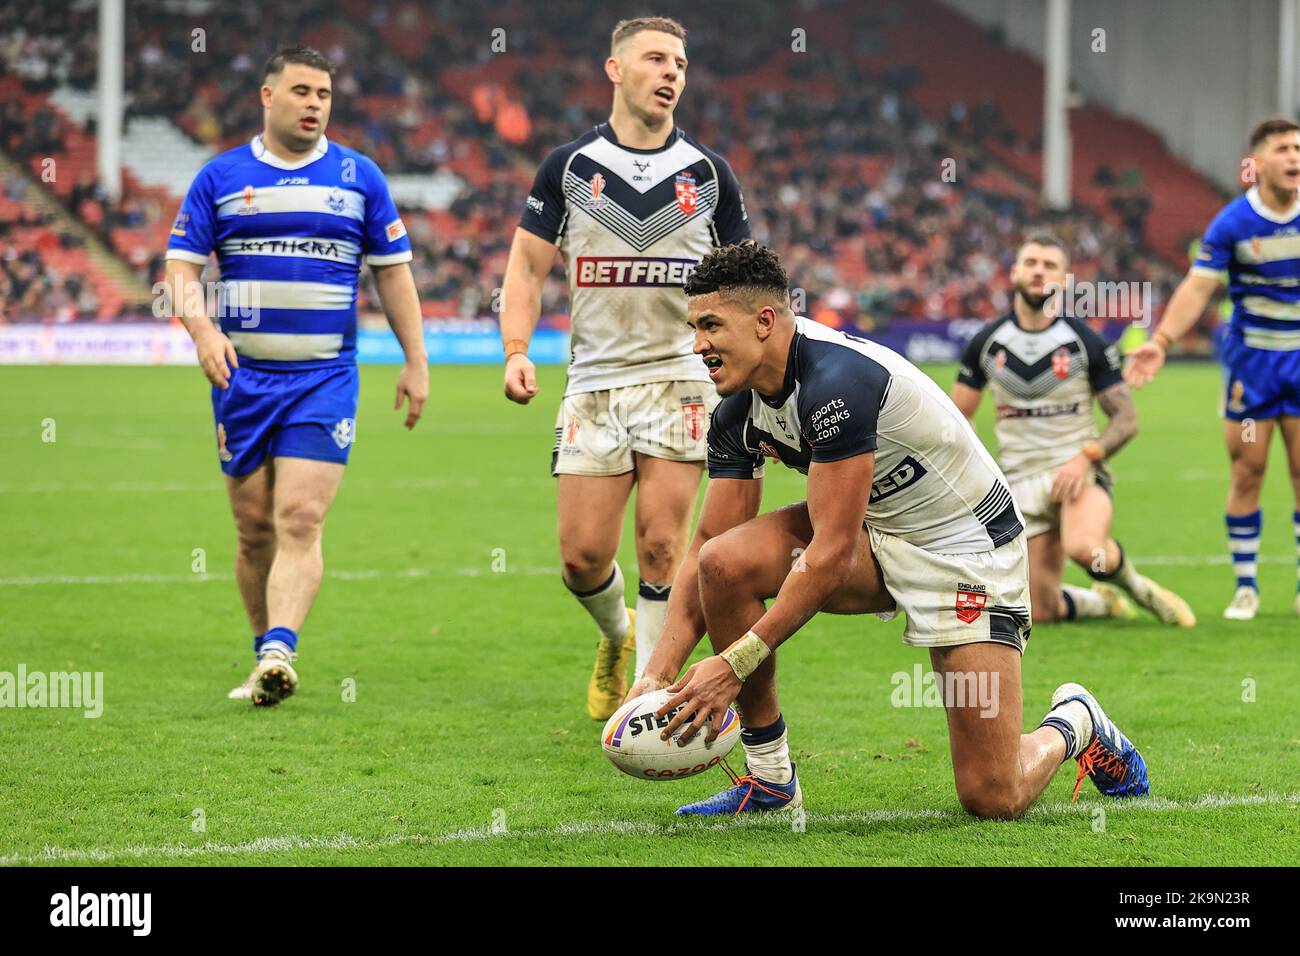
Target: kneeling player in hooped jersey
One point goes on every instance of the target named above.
(291, 217)
(632, 205)
(906, 511)
(1045, 370)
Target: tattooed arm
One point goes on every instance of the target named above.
(1117, 402)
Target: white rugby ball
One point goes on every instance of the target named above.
(632, 743)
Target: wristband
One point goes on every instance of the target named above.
(1094, 452)
(746, 654)
(1162, 340)
(516, 347)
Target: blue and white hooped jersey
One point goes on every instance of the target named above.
(1260, 249)
(290, 239)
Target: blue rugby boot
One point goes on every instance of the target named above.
(1103, 753)
(748, 795)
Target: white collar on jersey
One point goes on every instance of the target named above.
(1257, 203)
(265, 155)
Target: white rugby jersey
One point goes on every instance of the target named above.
(632, 224)
(1043, 383)
(934, 486)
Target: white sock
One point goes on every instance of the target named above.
(607, 606)
(1087, 602)
(1126, 578)
(1076, 715)
(651, 612)
(770, 760)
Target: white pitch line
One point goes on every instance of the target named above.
(368, 574)
(779, 821)
(487, 572)
(215, 487)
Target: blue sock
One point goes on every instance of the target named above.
(1296, 519)
(257, 645)
(1243, 542)
(280, 639)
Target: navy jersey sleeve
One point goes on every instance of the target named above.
(386, 242)
(544, 210)
(972, 369)
(730, 221)
(1104, 365)
(728, 456)
(839, 406)
(193, 234)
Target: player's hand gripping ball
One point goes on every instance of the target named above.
(632, 743)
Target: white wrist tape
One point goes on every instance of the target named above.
(746, 654)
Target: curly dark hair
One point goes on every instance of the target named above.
(743, 266)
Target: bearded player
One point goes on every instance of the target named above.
(1045, 370)
(632, 205)
(906, 511)
(1255, 240)
(291, 217)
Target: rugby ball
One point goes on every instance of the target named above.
(632, 743)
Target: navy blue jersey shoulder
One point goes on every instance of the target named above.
(841, 392)
(1104, 365)
(971, 372)
(728, 456)
(544, 210)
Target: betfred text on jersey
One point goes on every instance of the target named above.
(611, 271)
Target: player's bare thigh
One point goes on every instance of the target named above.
(304, 490)
(589, 517)
(252, 504)
(984, 725)
(770, 547)
(1046, 569)
(1085, 527)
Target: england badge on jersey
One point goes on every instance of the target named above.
(345, 432)
(693, 416)
(686, 195)
(971, 599)
(1061, 362)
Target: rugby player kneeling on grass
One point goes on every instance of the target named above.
(941, 540)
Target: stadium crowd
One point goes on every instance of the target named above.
(879, 210)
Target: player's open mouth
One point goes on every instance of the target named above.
(309, 122)
(665, 95)
(713, 364)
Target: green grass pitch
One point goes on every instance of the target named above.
(467, 741)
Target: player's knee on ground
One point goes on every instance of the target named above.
(988, 798)
(1047, 606)
(1045, 612)
(300, 522)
